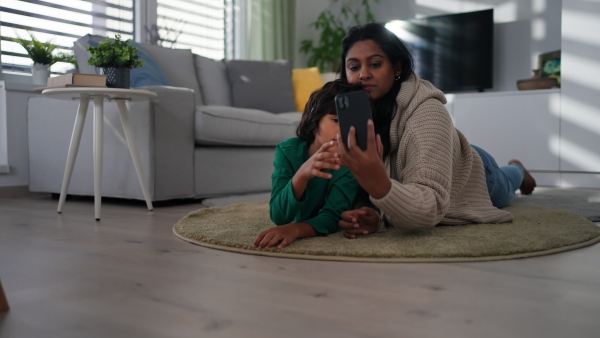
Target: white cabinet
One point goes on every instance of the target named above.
(524, 125)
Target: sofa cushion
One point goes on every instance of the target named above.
(222, 125)
(212, 78)
(264, 85)
(178, 66)
(150, 73)
(306, 81)
(82, 55)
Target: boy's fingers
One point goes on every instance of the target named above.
(319, 173)
(346, 225)
(265, 243)
(328, 145)
(283, 243)
(348, 215)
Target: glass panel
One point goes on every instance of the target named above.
(60, 22)
(198, 25)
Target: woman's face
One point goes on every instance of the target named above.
(367, 63)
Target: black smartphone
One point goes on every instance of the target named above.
(354, 109)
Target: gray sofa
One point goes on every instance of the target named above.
(211, 132)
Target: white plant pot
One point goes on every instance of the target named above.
(40, 74)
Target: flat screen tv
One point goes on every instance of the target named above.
(455, 52)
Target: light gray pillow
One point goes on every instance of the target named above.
(178, 66)
(264, 85)
(213, 81)
(82, 55)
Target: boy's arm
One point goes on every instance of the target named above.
(340, 198)
(283, 205)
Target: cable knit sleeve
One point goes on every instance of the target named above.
(422, 171)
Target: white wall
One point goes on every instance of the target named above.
(18, 150)
(580, 103)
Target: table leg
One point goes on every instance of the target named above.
(3, 302)
(73, 149)
(124, 114)
(98, 148)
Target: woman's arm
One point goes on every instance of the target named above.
(422, 198)
(424, 164)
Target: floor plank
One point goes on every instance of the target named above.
(67, 275)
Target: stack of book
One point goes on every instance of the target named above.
(74, 80)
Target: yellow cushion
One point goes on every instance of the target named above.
(306, 81)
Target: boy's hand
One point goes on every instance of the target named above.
(283, 234)
(363, 221)
(327, 157)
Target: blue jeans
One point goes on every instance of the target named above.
(502, 182)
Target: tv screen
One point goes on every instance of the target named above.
(454, 52)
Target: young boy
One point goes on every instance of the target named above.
(310, 189)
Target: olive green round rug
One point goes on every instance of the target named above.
(535, 231)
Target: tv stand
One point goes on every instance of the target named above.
(520, 124)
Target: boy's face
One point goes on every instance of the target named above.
(328, 129)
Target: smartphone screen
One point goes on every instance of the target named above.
(354, 109)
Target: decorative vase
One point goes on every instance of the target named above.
(40, 73)
(117, 77)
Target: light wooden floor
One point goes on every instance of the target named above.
(129, 276)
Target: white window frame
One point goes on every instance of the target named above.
(145, 15)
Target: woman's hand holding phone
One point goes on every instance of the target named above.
(366, 166)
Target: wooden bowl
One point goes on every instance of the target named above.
(537, 83)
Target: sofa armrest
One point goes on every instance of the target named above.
(173, 113)
(164, 134)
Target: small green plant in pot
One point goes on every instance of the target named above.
(116, 58)
(43, 56)
(332, 25)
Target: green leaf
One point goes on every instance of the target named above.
(41, 52)
(114, 53)
(331, 28)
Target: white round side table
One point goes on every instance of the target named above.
(98, 95)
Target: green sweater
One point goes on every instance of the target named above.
(324, 199)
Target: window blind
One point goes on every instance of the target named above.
(199, 25)
(61, 22)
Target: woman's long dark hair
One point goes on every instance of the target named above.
(397, 52)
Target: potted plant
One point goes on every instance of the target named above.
(41, 53)
(326, 52)
(116, 58)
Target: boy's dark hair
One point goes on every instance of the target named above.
(321, 103)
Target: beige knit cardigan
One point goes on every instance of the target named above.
(437, 177)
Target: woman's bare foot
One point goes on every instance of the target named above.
(528, 183)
